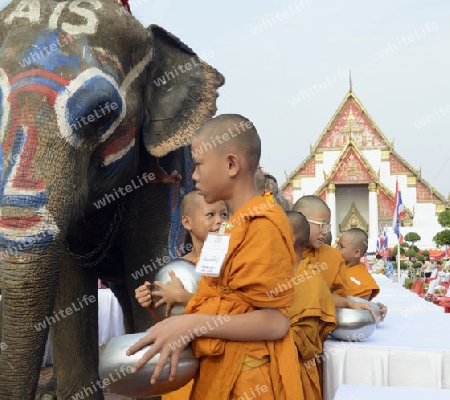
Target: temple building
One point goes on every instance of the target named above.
(354, 169)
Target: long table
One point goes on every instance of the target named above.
(410, 349)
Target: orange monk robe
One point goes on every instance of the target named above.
(313, 316)
(360, 282)
(258, 264)
(331, 265)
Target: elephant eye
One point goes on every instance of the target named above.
(91, 105)
(4, 104)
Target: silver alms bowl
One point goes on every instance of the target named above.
(115, 367)
(375, 306)
(185, 270)
(353, 325)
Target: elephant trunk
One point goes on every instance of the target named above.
(28, 292)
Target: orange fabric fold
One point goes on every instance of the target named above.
(360, 282)
(313, 316)
(258, 263)
(331, 265)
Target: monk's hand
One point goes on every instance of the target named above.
(143, 295)
(358, 305)
(171, 179)
(383, 311)
(168, 338)
(171, 294)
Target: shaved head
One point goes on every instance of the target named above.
(232, 132)
(190, 203)
(310, 206)
(358, 239)
(300, 227)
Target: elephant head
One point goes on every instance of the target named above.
(88, 97)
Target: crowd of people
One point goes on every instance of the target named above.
(277, 281)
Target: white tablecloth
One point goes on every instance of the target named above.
(396, 297)
(110, 317)
(410, 349)
(352, 392)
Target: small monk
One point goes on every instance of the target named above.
(353, 246)
(239, 332)
(327, 259)
(313, 314)
(198, 218)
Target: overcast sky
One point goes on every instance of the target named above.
(270, 50)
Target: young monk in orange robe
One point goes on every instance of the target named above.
(326, 259)
(198, 218)
(353, 245)
(313, 314)
(241, 333)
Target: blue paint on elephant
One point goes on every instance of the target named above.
(38, 80)
(45, 52)
(37, 242)
(100, 107)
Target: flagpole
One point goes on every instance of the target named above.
(398, 262)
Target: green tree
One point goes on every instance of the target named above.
(410, 253)
(412, 237)
(442, 238)
(444, 219)
(394, 251)
(426, 253)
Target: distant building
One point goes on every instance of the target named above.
(354, 168)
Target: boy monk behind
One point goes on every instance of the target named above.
(198, 218)
(313, 314)
(242, 335)
(353, 245)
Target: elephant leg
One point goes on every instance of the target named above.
(75, 334)
(49, 390)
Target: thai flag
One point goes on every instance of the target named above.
(399, 212)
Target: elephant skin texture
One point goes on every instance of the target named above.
(92, 106)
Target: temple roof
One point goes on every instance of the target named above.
(350, 130)
(351, 120)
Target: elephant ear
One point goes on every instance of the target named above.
(180, 94)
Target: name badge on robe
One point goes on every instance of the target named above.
(213, 254)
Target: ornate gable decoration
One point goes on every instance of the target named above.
(351, 168)
(309, 169)
(351, 123)
(353, 219)
(386, 205)
(397, 167)
(424, 193)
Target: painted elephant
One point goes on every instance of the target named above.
(90, 103)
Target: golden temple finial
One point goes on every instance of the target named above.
(350, 81)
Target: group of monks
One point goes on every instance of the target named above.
(279, 283)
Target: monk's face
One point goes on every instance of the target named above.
(206, 218)
(349, 254)
(210, 174)
(317, 233)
